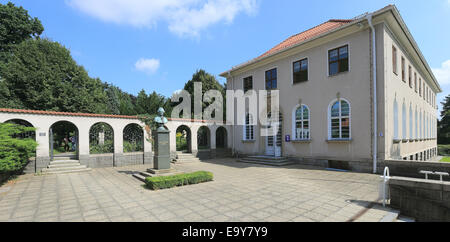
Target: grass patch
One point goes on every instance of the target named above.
(164, 182)
(446, 159)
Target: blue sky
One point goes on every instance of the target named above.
(158, 45)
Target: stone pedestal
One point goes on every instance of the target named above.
(162, 150)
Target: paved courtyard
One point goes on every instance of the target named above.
(240, 192)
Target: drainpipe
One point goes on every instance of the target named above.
(233, 151)
(375, 113)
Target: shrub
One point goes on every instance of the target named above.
(15, 151)
(163, 182)
(107, 147)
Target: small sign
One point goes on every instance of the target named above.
(42, 134)
(288, 138)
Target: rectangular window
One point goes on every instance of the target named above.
(424, 90)
(271, 79)
(338, 60)
(249, 128)
(394, 60)
(410, 76)
(420, 86)
(300, 71)
(415, 82)
(403, 69)
(248, 84)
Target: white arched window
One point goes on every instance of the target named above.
(404, 121)
(249, 128)
(302, 128)
(339, 120)
(395, 120)
(411, 135)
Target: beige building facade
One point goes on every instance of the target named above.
(325, 78)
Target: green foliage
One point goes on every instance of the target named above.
(14, 151)
(164, 182)
(107, 147)
(44, 76)
(446, 159)
(209, 82)
(181, 142)
(444, 150)
(129, 147)
(444, 123)
(16, 25)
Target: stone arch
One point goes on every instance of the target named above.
(101, 138)
(204, 138)
(221, 138)
(133, 138)
(64, 139)
(183, 139)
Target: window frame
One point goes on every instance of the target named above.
(248, 125)
(295, 120)
(420, 87)
(243, 83)
(403, 69)
(394, 60)
(328, 59)
(265, 78)
(330, 118)
(415, 82)
(410, 76)
(307, 70)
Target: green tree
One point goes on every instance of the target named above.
(44, 76)
(16, 25)
(208, 81)
(444, 123)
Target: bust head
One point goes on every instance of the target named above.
(161, 111)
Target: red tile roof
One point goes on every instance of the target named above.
(92, 115)
(8, 110)
(308, 34)
(328, 26)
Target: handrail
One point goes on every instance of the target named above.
(386, 177)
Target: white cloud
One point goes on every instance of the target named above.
(443, 73)
(184, 17)
(148, 66)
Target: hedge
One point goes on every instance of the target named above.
(164, 182)
(15, 151)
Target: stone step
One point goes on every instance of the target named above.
(67, 168)
(403, 219)
(187, 161)
(66, 171)
(69, 157)
(265, 157)
(65, 162)
(52, 165)
(139, 177)
(268, 163)
(391, 216)
(266, 160)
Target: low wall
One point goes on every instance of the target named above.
(396, 167)
(424, 200)
(97, 161)
(412, 168)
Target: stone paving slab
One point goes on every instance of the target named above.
(239, 192)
